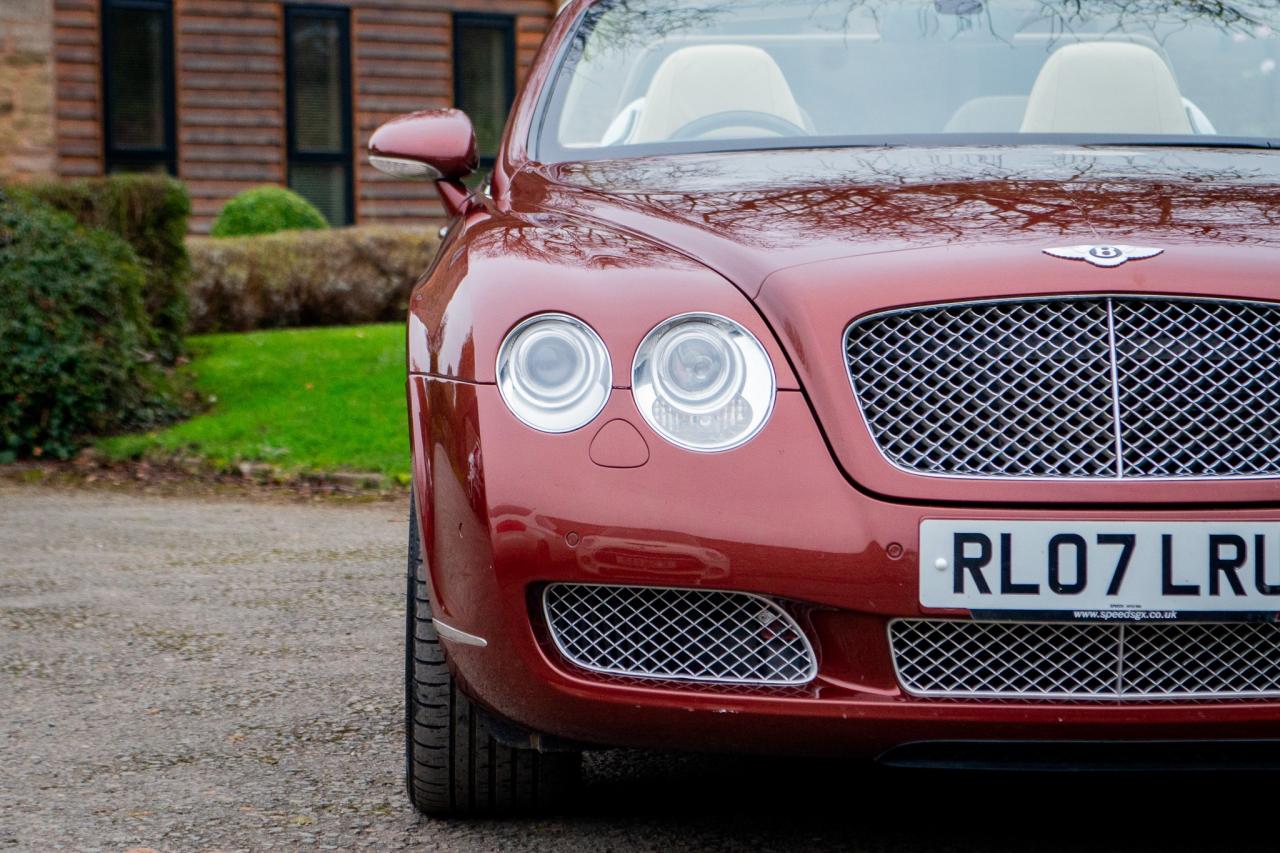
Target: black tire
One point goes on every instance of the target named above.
(453, 763)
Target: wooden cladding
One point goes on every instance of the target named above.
(77, 57)
(230, 90)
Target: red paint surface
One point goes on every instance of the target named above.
(443, 139)
(775, 517)
(794, 245)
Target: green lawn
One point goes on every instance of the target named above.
(301, 399)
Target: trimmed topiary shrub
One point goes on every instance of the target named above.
(73, 334)
(150, 212)
(267, 210)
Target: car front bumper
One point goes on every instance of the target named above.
(505, 510)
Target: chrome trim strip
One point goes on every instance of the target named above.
(1115, 386)
(1051, 297)
(453, 635)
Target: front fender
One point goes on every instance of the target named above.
(501, 270)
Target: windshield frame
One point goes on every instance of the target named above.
(543, 149)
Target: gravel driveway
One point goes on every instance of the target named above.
(222, 674)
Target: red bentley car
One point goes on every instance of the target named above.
(883, 378)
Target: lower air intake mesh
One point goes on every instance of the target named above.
(678, 634)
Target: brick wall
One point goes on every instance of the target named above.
(26, 90)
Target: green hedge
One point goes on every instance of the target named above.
(73, 334)
(267, 210)
(150, 213)
(343, 277)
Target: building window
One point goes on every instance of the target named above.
(484, 75)
(137, 86)
(318, 45)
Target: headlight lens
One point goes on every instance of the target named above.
(703, 382)
(554, 373)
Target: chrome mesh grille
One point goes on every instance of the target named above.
(678, 634)
(1106, 388)
(1199, 388)
(1086, 661)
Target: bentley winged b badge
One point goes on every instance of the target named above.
(1104, 256)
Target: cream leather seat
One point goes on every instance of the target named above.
(1106, 87)
(700, 81)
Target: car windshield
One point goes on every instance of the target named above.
(646, 77)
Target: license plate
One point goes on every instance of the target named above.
(1101, 570)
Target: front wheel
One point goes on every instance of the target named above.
(454, 765)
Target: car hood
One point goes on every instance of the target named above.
(749, 214)
(820, 238)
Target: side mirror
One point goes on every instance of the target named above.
(436, 145)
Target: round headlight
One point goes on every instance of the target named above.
(554, 373)
(703, 382)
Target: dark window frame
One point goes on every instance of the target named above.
(167, 155)
(345, 158)
(486, 20)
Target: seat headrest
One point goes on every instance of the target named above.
(695, 82)
(1106, 87)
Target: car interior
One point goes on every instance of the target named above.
(815, 84)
